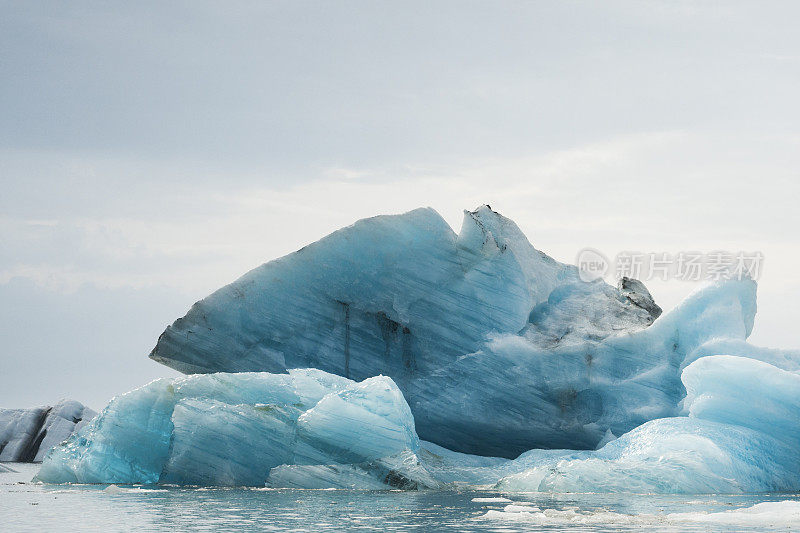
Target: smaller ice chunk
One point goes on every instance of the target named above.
(635, 291)
(783, 514)
(26, 435)
(18, 430)
(235, 429)
(742, 434)
(66, 417)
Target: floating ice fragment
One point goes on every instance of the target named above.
(234, 429)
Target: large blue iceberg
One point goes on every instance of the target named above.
(319, 370)
(478, 322)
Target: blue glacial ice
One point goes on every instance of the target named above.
(479, 320)
(26, 435)
(741, 434)
(319, 369)
(233, 429)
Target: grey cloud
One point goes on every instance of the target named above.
(152, 151)
(285, 85)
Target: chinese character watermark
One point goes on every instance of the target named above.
(684, 266)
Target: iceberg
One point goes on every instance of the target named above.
(323, 369)
(26, 435)
(478, 321)
(237, 429)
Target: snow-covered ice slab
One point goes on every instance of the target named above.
(478, 322)
(233, 429)
(26, 435)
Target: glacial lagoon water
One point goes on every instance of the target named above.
(26, 506)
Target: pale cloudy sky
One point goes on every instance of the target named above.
(151, 152)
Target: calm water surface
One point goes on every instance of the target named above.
(25, 506)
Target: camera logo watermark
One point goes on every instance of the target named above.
(684, 266)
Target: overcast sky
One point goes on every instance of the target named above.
(151, 152)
